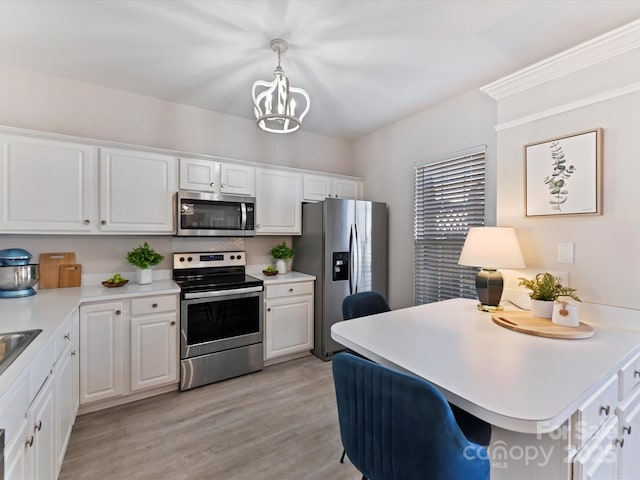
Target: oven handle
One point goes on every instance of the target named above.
(221, 293)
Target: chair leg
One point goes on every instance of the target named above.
(364, 478)
(342, 457)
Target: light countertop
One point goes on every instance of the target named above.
(281, 278)
(48, 308)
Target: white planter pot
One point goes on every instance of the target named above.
(542, 308)
(144, 276)
(281, 266)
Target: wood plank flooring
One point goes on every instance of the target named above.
(277, 424)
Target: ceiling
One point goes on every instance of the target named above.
(365, 63)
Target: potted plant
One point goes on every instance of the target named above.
(545, 288)
(144, 257)
(281, 253)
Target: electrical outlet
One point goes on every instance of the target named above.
(565, 253)
(563, 277)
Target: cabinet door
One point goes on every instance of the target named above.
(278, 202)
(288, 326)
(345, 188)
(237, 179)
(101, 344)
(45, 184)
(136, 191)
(598, 459)
(15, 454)
(41, 456)
(65, 403)
(316, 187)
(154, 350)
(630, 433)
(197, 174)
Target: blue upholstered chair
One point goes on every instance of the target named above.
(363, 304)
(396, 426)
(369, 303)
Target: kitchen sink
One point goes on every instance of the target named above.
(12, 344)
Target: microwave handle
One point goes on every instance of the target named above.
(243, 209)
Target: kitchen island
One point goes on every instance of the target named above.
(548, 399)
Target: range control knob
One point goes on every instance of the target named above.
(189, 259)
(239, 257)
(182, 259)
(232, 257)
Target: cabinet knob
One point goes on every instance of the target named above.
(155, 305)
(118, 312)
(87, 222)
(224, 185)
(291, 290)
(627, 430)
(67, 336)
(212, 184)
(73, 353)
(605, 409)
(103, 222)
(38, 426)
(636, 373)
(29, 442)
(269, 309)
(173, 323)
(619, 442)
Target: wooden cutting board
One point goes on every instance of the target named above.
(524, 322)
(50, 267)
(69, 275)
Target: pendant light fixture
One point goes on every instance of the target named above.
(279, 107)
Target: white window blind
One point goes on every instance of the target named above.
(449, 198)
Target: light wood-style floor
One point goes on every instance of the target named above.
(277, 424)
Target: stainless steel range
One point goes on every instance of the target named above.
(221, 329)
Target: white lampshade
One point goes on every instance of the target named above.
(491, 247)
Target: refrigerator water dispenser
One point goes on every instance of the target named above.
(340, 266)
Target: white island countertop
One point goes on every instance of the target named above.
(48, 308)
(519, 382)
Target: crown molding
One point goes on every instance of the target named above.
(593, 51)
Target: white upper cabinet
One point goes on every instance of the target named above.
(136, 191)
(217, 177)
(45, 185)
(278, 202)
(318, 187)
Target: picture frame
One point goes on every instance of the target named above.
(563, 175)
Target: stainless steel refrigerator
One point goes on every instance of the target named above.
(344, 244)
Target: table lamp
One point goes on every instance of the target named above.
(491, 248)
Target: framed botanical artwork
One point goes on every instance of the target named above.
(563, 175)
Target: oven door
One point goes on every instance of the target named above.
(220, 320)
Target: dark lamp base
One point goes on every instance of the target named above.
(489, 287)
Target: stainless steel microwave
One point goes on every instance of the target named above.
(202, 214)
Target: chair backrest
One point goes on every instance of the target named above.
(396, 426)
(363, 304)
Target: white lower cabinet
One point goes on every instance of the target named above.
(127, 346)
(288, 319)
(629, 435)
(39, 409)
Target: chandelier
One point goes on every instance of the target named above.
(276, 103)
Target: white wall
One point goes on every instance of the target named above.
(386, 159)
(607, 256)
(37, 101)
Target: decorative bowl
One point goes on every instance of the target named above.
(114, 285)
(270, 273)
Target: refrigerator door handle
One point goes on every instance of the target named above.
(356, 258)
(351, 260)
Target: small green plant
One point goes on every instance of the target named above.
(546, 287)
(270, 269)
(144, 257)
(281, 252)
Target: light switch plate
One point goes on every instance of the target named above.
(565, 253)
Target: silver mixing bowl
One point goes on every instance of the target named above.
(19, 277)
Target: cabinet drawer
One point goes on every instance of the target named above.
(289, 289)
(629, 377)
(65, 334)
(164, 303)
(600, 407)
(42, 366)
